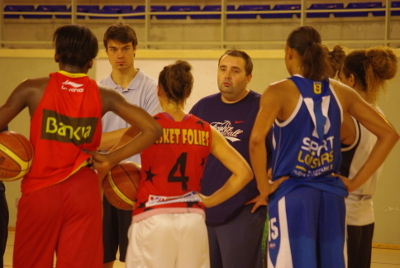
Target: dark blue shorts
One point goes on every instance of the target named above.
(307, 230)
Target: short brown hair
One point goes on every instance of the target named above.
(120, 32)
(240, 54)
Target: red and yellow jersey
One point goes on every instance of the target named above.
(66, 122)
(173, 166)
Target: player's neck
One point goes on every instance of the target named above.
(367, 97)
(174, 110)
(123, 77)
(74, 69)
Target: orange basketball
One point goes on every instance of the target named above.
(121, 185)
(16, 154)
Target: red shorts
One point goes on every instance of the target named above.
(63, 219)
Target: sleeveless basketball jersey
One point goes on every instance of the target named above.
(66, 122)
(359, 205)
(307, 144)
(173, 166)
(349, 151)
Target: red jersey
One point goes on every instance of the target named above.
(173, 166)
(67, 121)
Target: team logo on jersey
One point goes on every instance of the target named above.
(317, 87)
(324, 109)
(67, 129)
(315, 156)
(71, 86)
(227, 130)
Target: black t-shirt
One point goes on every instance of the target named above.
(2, 188)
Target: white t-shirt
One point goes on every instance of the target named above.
(142, 91)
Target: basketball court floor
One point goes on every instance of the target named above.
(381, 258)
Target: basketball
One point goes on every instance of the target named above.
(16, 154)
(121, 185)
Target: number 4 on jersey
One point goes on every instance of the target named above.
(181, 165)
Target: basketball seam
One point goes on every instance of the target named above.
(130, 178)
(23, 144)
(15, 177)
(118, 192)
(14, 156)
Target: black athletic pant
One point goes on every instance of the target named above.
(3, 222)
(359, 245)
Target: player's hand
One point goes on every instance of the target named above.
(100, 164)
(262, 198)
(259, 200)
(207, 200)
(204, 200)
(274, 185)
(347, 183)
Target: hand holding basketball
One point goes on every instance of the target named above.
(16, 154)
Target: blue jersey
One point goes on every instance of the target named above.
(307, 145)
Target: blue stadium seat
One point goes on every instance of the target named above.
(323, 6)
(79, 8)
(358, 5)
(17, 8)
(64, 16)
(212, 8)
(396, 12)
(111, 9)
(102, 11)
(118, 8)
(46, 8)
(87, 8)
(248, 8)
(282, 15)
(142, 8)
(178, 9)
(382, 13)
(132, 11)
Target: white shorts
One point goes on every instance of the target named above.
(175, 240)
